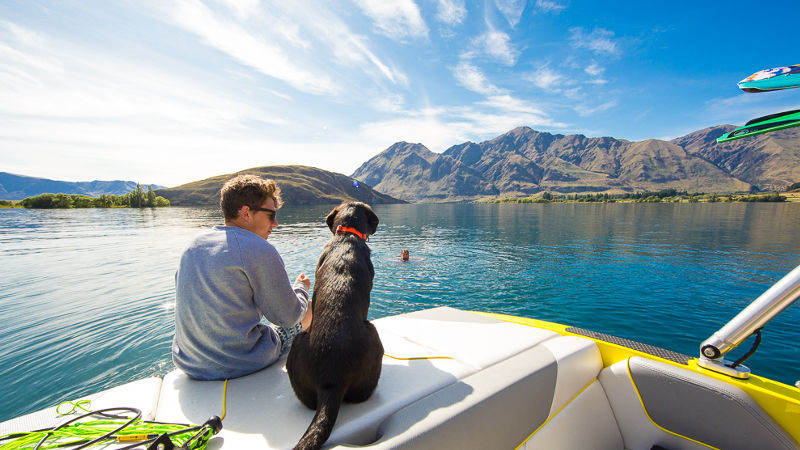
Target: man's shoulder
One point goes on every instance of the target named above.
(246, 241)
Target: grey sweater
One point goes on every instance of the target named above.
(228, 278)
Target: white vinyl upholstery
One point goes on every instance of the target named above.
(587, 422)
(501, 405)
(141, 394)
(430, 350)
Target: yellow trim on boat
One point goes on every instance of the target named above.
(780, 401)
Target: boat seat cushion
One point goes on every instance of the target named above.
(501, 405)
(649, 397)
(586, 422)
(429, 350)
(468, 337)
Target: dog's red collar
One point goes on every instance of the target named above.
(340, 229)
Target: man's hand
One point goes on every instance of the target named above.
(306, 322)
(305, 280)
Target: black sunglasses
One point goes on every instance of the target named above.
(258, 208)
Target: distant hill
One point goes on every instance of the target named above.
(769, 161)
(17, 187)
(523, 162)
(300, 185)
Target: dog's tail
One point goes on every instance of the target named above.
(328, 403)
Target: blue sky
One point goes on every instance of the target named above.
(169, 92)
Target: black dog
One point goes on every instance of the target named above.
(339, 357)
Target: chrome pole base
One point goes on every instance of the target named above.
(718, 365)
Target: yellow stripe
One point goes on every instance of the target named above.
(556, 413)
(639, 396)
(417, 357)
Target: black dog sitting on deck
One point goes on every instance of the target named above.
(339, 357)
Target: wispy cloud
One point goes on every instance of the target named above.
(547, 79)
(243, 9)
(495, 45)
(246, 47)
(113, 115)
(594, 69)
(584, 110)
(451, 12)
(471, 77)
(549, 6)
(511, 10)
(284, 42)
(397, 19)
(508, 103)
(599, 41)
(51, 80)
(440, 128)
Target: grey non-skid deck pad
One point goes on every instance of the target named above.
(669, 355)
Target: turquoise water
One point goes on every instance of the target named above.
(86, 296)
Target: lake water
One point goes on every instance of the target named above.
(86, 296)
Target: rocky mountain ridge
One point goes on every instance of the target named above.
(524, 162)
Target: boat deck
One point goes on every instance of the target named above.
(455, 379)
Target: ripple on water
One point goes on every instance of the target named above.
(87, 296)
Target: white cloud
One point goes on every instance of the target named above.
(599, 41)
(574, 93)
(547, 79)
(440, 128)
(397, 19)
(50, 80)
(511, 9)
(584, 110)
(451, 12)
(594, 70)
(498, 123)
(242, 8)
(429, 130)
(256, 39)
(248, 48)
(494, 44)
(549, 6)
(508, 103)
(472, 78)
(83, 111)
(389, 103)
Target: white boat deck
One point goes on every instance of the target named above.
(451, 379)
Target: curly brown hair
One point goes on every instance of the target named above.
(249, 190)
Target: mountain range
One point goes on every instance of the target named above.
(524, 162)
(17, 187)
(520, 163)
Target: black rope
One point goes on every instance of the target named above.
(750, 352)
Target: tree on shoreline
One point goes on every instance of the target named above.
(134, 199)
(663, 196)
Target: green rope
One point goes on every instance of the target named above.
(83, 432)
(75, 405)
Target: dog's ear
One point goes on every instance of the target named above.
(372, 221)
(331, 216)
